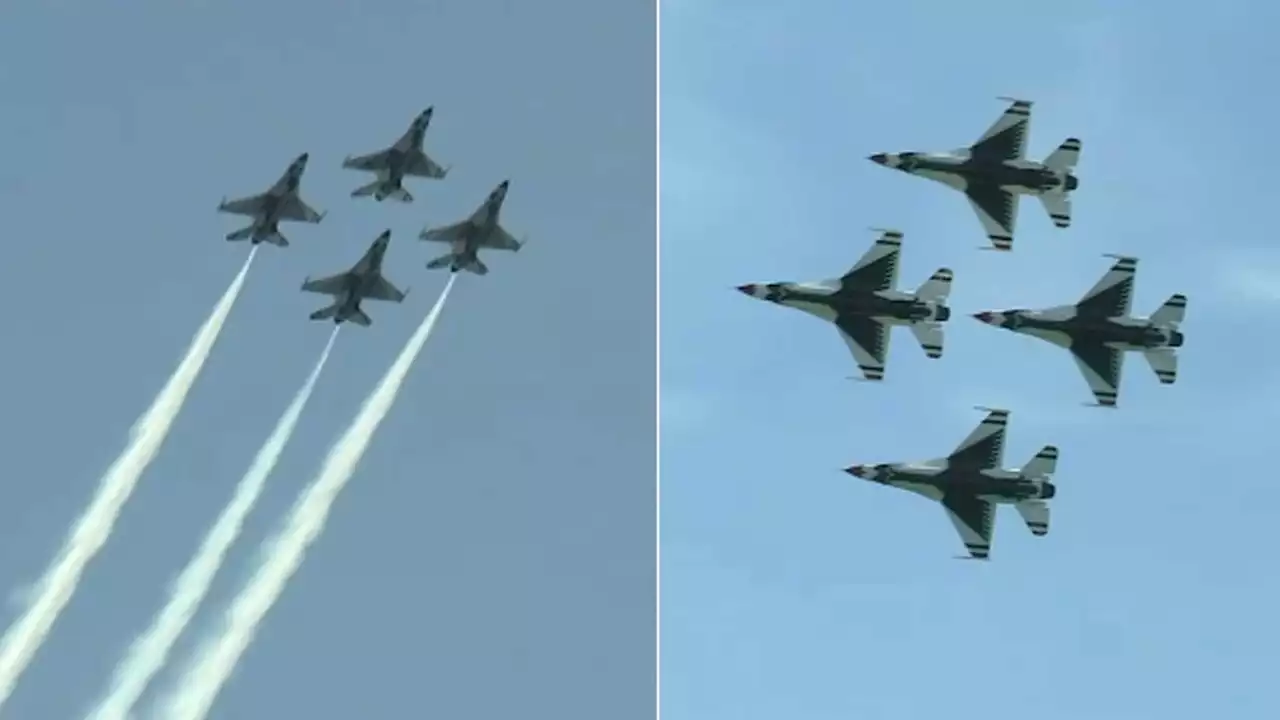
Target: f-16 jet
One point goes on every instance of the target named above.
(364, 281)
(481, 230)
(1098, 330)
(863, 304)
(393, 164)
(269, 209)
(994, 172)
(971, 481)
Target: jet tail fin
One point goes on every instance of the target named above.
(1065, 158)
(325, 313)
(457, 262)
(359, 317)
(1043, 465)
(275, 238)
(1035, 513)
(937, 288)
(1171, 312)
(366, 190)
(1164, 362)
(930, 336)
(1058, 204)
(440, 262)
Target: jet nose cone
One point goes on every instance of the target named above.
(747, 289)
(303, 158)
(879, 158)
(984, 316)
(859, 471)
(504, 184)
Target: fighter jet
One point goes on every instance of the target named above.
(481, 230)
(971, 481)
(364, 281)
(392, 165)
(863, 304)
(268, 209)
(1098, 330)
(994, 172)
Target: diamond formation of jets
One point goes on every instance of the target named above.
(1098, 330)
(466, 238)
(405, 158)
(972, 480)
(364, 281)
(863, 304)
(994, 172)
(393, 164)
(280, 203)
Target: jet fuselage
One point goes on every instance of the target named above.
(1020, 176)
(1124, 333)
(995, 485)
(889, 304)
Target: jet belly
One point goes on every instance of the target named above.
(942, 169)
(890, 306)
(997, 485)
(1052, 333)
(1118, 333)
(921, 480)
(816, 308)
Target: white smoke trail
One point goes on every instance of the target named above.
(150, 650)
(54, 590)
(283, 554)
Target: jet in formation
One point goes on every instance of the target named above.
(393, 164)
(994, 172)
(1098, 330)
(364, 281)
(269, 209)
(466, 238)
(971, 481)
(863, 304)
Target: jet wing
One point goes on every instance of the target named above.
(1101, 366)
(445, 233)
(1112, 296)
(382, 289)
(877, 269)
(975, 520)
(420, 165)
(984, 448)
(500, 239)
(332, 285)
(997, 210)
(1006, 139)
(868, 340)
(293, 208)
(253, 205)
(370, 163)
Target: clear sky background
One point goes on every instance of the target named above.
(793, 590)
(494, 555)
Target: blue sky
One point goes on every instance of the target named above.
(494, 554)
(790, 589)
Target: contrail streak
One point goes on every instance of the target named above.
(283, 554)
(54, 590)
(148, 653)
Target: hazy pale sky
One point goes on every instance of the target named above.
(494, 555)
(793, 590)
